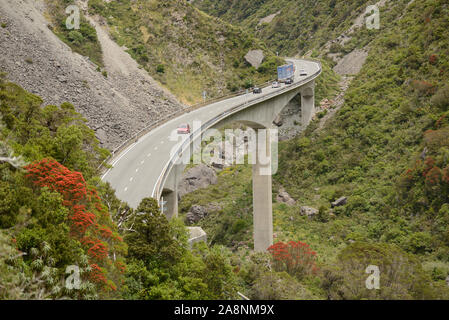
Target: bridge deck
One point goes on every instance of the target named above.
(137, 169)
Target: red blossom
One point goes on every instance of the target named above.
(84, 206)
(294, 257)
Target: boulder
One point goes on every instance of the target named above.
(197, 212)
(196, 234)
(278, 121)
(195, 178)
(339, 202)
(284, 197)
(255, 58)
(101, 134)
(308, 211)
(219, 166)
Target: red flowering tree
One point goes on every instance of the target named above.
(433, 177)
(296, 258)
(88, 219)
(433, 59)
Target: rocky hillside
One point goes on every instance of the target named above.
(116, 102)
(186, 50)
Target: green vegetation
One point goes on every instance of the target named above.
(52, 218)
(34, 220)
(184, 49)
(84, 40)
(326, 85)
(386, 150)
(233, 193)
(299, 26)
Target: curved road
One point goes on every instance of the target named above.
(136, 170)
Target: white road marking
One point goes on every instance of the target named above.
(142, 162)
(137, 170)
(162, 142)
(149, 155)
(131, 179)
(126, 189)
(115, 162)
(155, 148)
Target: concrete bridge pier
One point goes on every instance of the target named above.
(169, 203)
(307, 104)
(262, 195)
(169, 200)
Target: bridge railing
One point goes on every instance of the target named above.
(158, 188)
(167, 118)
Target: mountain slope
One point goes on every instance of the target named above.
(186, 50)
(386, 150)
(290, 26)
(116, 106)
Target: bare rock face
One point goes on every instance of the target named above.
(339, 202)
(196, 212)
(269, 18)
(195, 178)
(116, 106)
(255, 58)
(289, 120)
(284, 197)
(308, 211)
(351, 63)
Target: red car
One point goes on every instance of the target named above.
(184, 129)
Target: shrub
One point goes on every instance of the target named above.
(433, 59)
(76, 37)
(296, 258)
(435, 139)
(423, 88)
(401, 274)
(441, 98)
(419, 242)
(278, 286)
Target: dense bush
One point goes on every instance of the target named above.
(401, 275)
(84, 40)
(296, 258)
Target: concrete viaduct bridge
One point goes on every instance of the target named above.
(152, 166)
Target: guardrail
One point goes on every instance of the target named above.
(157, 190)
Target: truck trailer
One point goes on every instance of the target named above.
(287, 71)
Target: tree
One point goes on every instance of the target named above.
(296, 258)
(84, 217)
(401, 274)
(151, 238)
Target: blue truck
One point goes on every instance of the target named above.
(287, 71)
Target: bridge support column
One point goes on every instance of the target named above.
(307, 104)
(170, 204)
(170, 194)
(262, 196)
